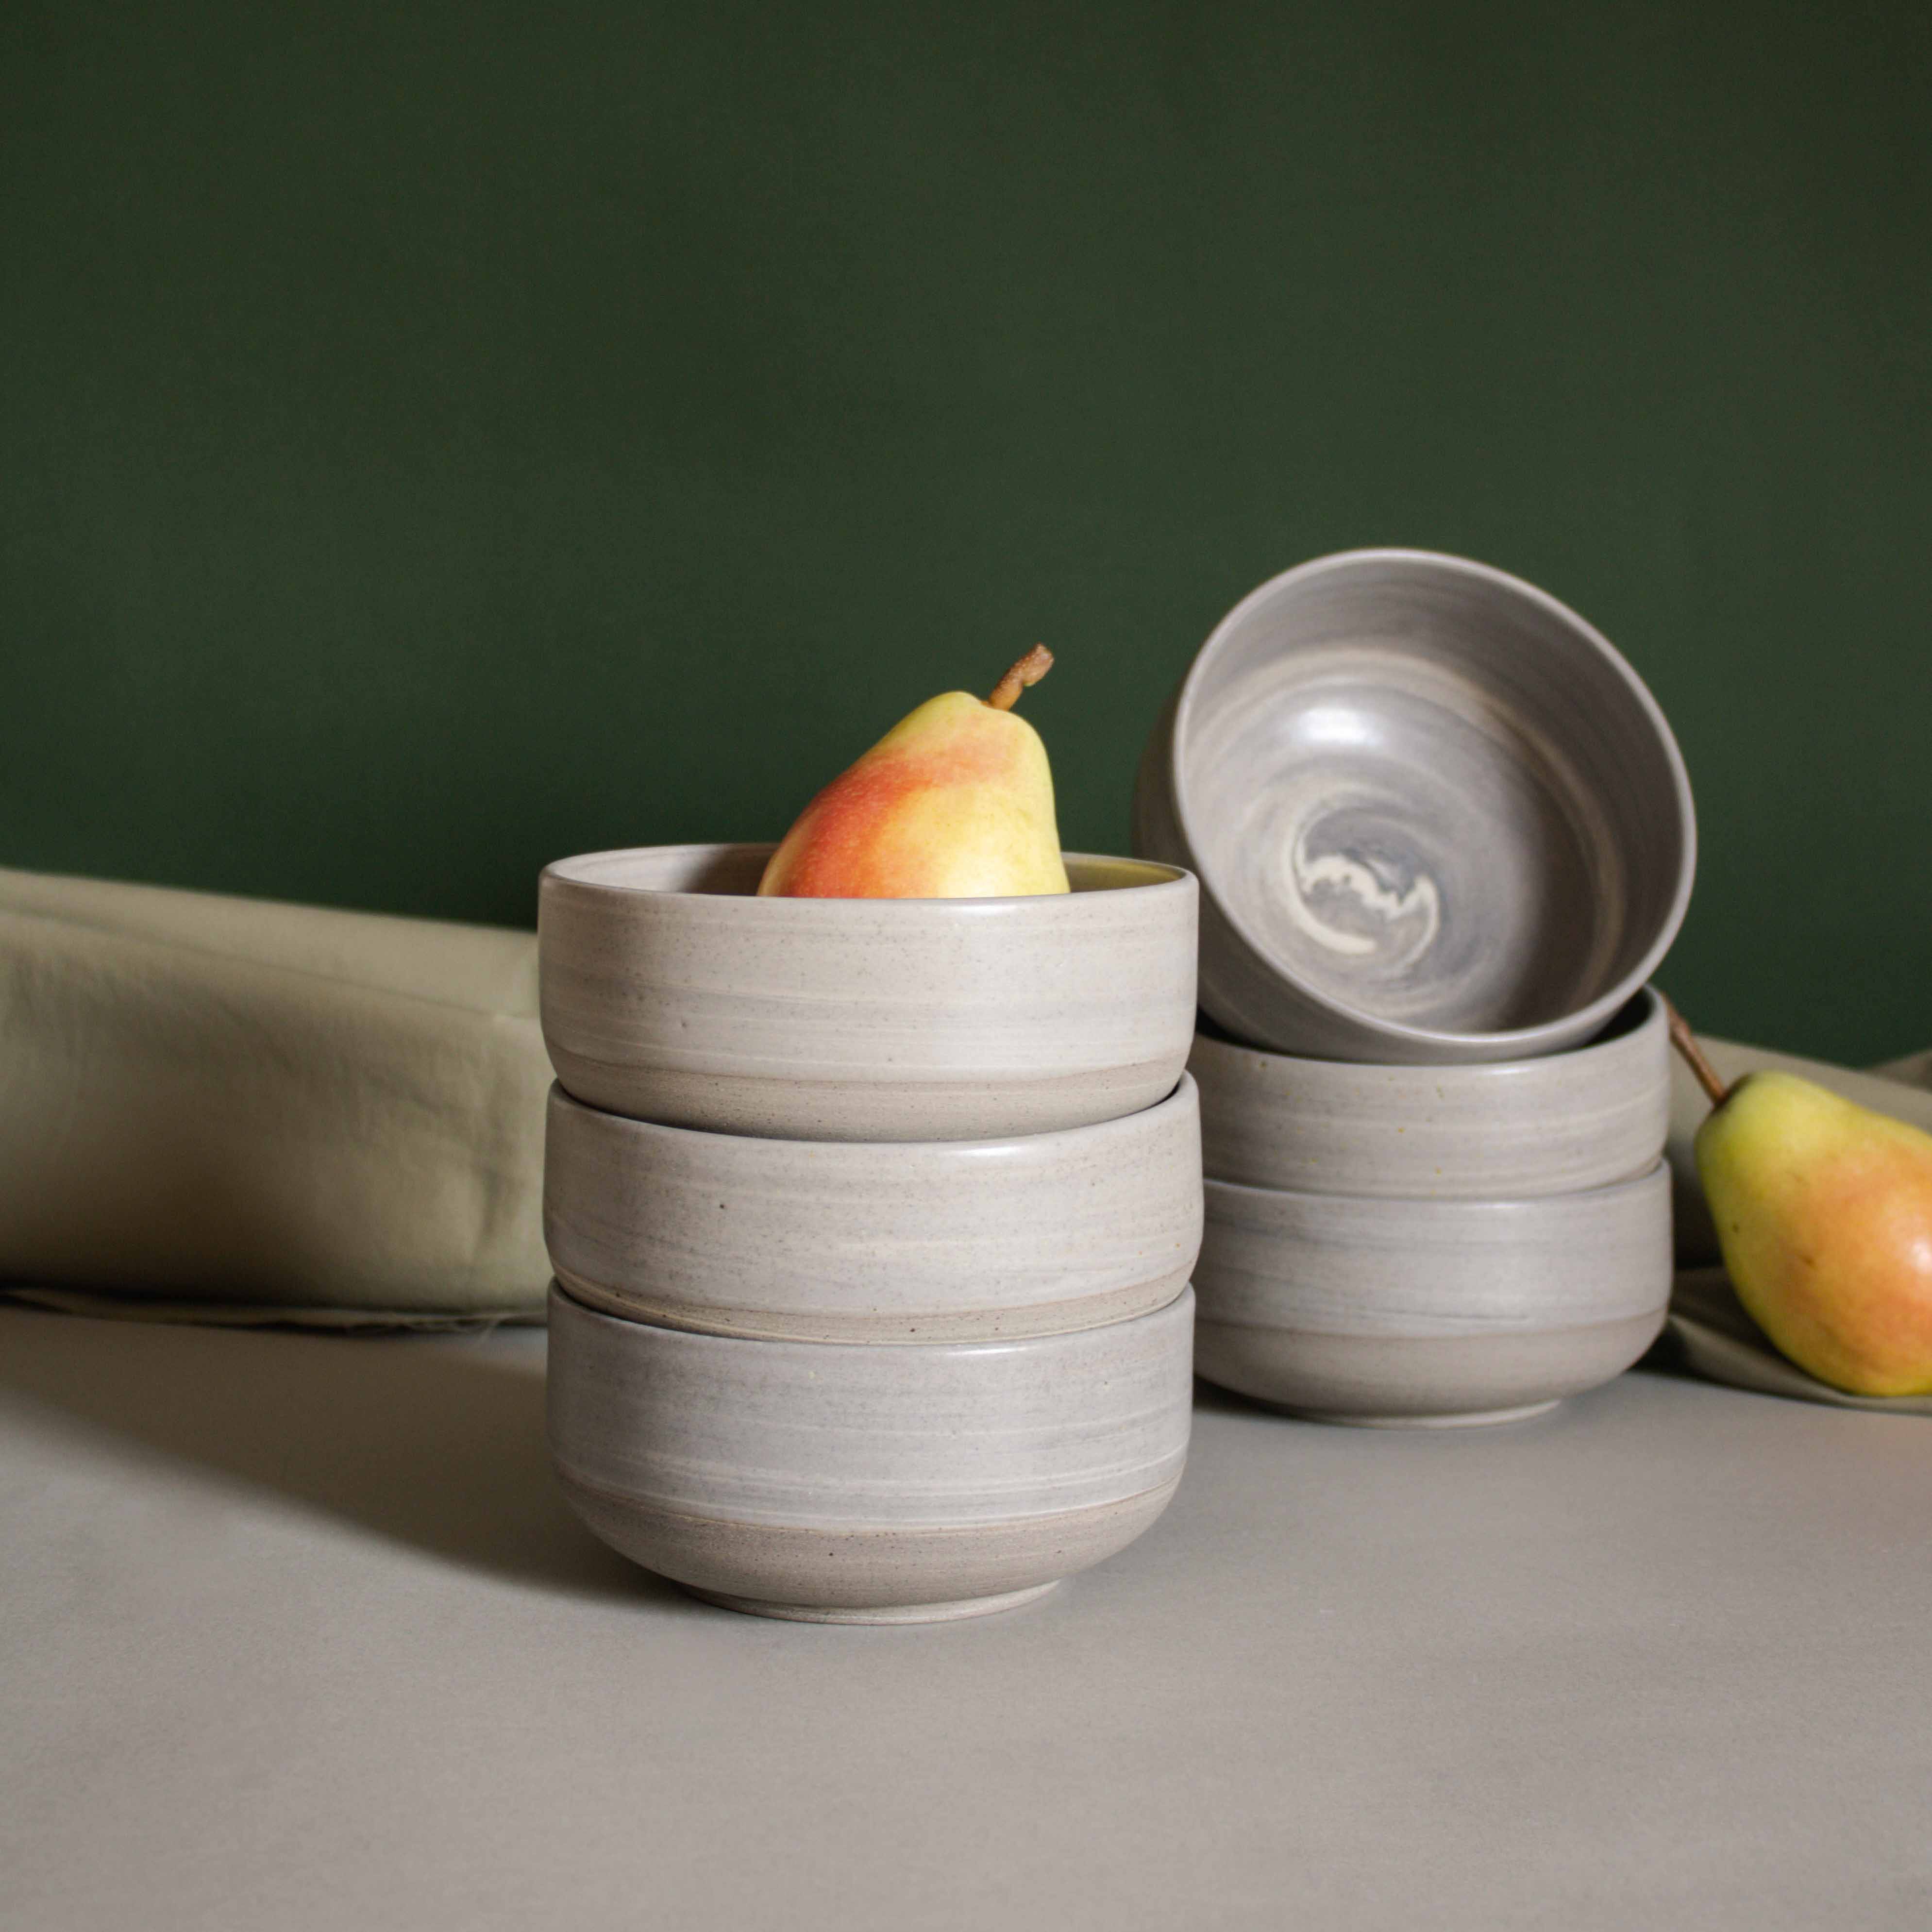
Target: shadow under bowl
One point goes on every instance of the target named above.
(1388, 1313)
(880, 1241)
(846, 1483)
(671, 992)
(1436, 817)
(1495, 1130)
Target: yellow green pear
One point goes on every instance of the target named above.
(1824, 1211)
(954, 801)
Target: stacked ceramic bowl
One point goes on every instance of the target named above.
(1444, 836)
(872, 1222)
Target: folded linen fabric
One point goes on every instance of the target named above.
(224, 1109)
(1709, 1330)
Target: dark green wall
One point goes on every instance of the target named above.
(439, 437)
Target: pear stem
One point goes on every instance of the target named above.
(1029, 670)
(1685, 1041)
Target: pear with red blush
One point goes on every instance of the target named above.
(954, 801)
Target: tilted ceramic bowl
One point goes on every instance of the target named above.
(891, 1241)
(1499, 1129)
(1354, 1309)
(1436, 816)
(670, 992)
(838, 1482)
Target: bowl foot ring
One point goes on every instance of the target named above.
(878, 1613)
(1477, 1419)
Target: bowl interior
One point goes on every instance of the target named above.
(1429, 794)
(734, 870)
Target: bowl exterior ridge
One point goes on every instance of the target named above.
(899, 1242)
(1560, 1124)
(878, 1327)
(1341, 1264)
(1248, 984)
(857, 1019)
(823, 1435)
(1357, 1309)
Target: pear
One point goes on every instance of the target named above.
(1824, 1212)
(954, 801)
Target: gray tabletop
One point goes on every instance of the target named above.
(297, 1633)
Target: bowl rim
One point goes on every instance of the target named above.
(1475, 1072)
(1455, 1206)
(701, 1341)
(1598, 1012)
(570, 873)
(1183, 1097)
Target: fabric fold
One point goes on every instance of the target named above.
(255, 1112)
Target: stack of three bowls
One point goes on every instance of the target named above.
(1444, 836)
(872, 1223)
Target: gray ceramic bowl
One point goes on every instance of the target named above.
(1436, 816)
(1381, 1311)
(842, 1482)
(891, 1241)
(1498, 1130)
(671, 993)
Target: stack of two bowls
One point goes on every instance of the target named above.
(872, 1223)
(1444, 836)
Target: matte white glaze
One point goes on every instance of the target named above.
(1500, 1130)
(895, 1241)
(1435, 816)
(670, 992)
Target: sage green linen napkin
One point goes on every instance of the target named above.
(1709, 1330)
(223, 1109)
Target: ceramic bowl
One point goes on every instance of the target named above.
(834, 1482)
(670, 992)
(1354, 1309)
(1498, 1130)
(893, 1241)
(1436, 816)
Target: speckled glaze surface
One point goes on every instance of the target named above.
(670, 992)
(1497, 1130)
(1436, 817)
(888, 1241)
(816, 1478)
(1381, 1311)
